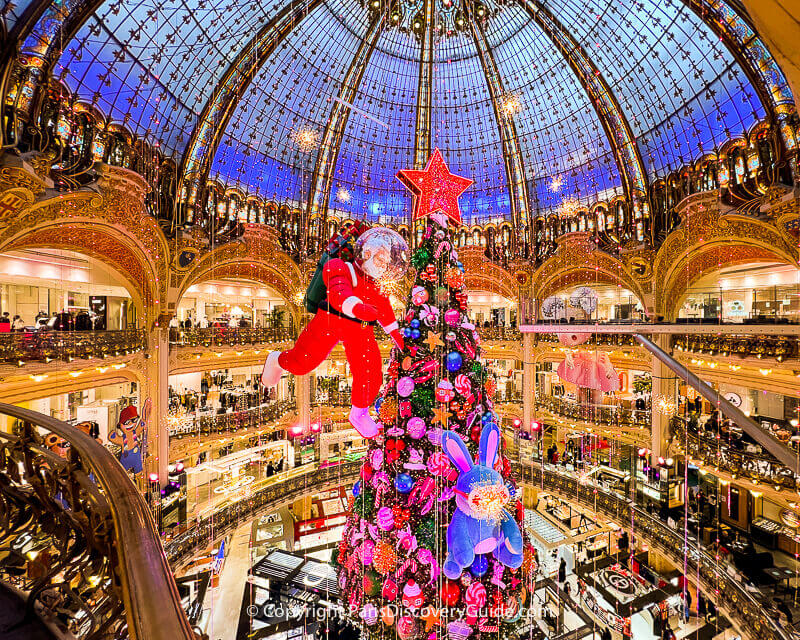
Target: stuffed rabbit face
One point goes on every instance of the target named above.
(480, 524)
(481, 492)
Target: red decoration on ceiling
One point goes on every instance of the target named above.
(435, 189)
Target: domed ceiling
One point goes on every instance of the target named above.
(328, 99)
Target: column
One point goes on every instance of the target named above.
(664, 386)
(157, 389)
(528, 380)
(302, 394)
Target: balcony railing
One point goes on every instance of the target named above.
(184, 425)
(711, 450)
(79, 539)
(595, 413)
(500, 333)
(598, 339)
(778, 347)
(229, 336)
(45, 346)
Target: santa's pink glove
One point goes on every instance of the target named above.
(397, 337)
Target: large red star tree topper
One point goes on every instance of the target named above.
(435, 189)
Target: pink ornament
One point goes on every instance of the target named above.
(429, 314)
(390, 589)
(419, 295)
(475, 598)
(405, 409)
(463, 385)
(412, 595)
(444, 391)
(405, 386)
(367, 552)
(406, 627)
(369, 614)
(376, 459)
(438, 464)
(385, 518)
(458, 630)
(452, 317)
(416, 427)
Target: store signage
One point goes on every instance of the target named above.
(734, 398)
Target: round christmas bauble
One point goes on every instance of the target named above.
(407, 332)
(371, 582)
(454, 361)
(406, 627)
(366, 471)
(415, 334)
(381, 253)
(451, 317)
(387, 615)
(480, 565)
(384, 558)
(357, 488)
(415, 324)
(416, 427)
(475, 433)
(405, 386)
(403, 482)
(450, 593)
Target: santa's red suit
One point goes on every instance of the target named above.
(354, 305)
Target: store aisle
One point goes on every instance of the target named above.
(225, 601)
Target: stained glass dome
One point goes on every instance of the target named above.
(323, 101)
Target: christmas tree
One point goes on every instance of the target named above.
(433, 545)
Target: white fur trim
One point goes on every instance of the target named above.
(347, 305)
(353, 276)
(388, 328)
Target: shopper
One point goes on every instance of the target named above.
(17, 324)
(562, 572)
(606, 635)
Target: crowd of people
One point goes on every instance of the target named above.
(83, 320)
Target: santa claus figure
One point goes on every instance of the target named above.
(353, 306)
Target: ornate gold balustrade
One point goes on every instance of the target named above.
(229, 336)
(45, 346)
(598, 414)
(722, 454)
(79, 539)
(778, 347)
(598, 339)
(500, 333)
(181, 426)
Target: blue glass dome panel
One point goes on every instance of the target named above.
(291, 94)
(561, 138)
(154, 69)
(464, 127)
(681, 89)
(378, 140)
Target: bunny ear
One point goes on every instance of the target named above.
(455, 449)
(489, 446)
